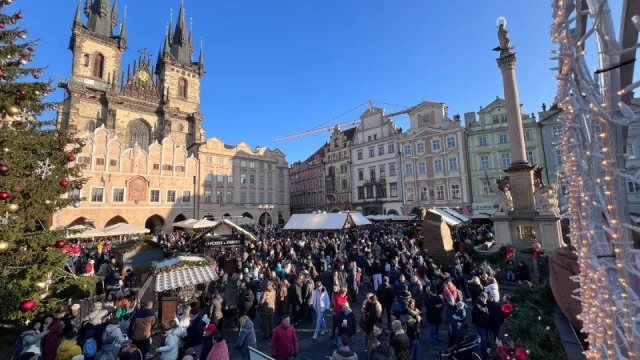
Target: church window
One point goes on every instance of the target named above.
(86, 60)
(180, 128)
(91, 125)
(98, 65)
(182, 88)
(140, 133)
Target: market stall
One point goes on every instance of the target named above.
(326, 221)
(225, 242)
(437, 233)
(137, 255)
(391, 217)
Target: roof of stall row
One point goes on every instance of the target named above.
(325, 221)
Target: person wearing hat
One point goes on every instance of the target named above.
(69, 348)
(399, 340)
(171, 347)
(457, 325)
(207, 341)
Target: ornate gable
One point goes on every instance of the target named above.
(141, 85)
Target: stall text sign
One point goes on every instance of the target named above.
(225, 243)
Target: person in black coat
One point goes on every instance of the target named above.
(481, 319)
(207, 341)
(496, 318)
(386, 296)
(195, 330)
(523, 273)
(346, 323)
(435, 305)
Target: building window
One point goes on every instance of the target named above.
(252, 179)
(74, 194)
(269, 181)
(527, 135)
(167, 167)
(268, 166)
(171, 196)
(558, 157)
(281, 198)
(261, 197)
(530, 157)
(252, 165)
(407, 149)
(369, 138)
(359, 155)
(557, 131)
(372, 152)
(360, 192)
(261, 180)
(219, 197)
(230, 162)
(391, 148)
(269, 198)
(484, 161)
(229, 197)
(221, 161)
(86, 160)
(630, 152)
(503, 139)
(393, 190)
(435, 144)
(420, 148)
(230, 178)
(487, 189)
(422, 168)
(455, 191)
(252, 198)
(506, 160)
(423, 193)
(633, 187)
(482, 141)
(182, 88)
(360, 174)
(383, 172)
(392, 169)
(451, 142)
(411, 194)
(372, 174)
(100, 161)
(186, 196)
(243, 197)
(113, 162)
(380, 150)
(345, 184)
(369, 192)
(117, 195)
(86, 60)
(220, 177)
(209, 159)
(408, 169)
(98, 65)
(97, 194)
(154, 196)
(243, 178)
(453, 163)
(209, 176)
(180, 168)
(437, 165)
(439, 192)
(243, 163)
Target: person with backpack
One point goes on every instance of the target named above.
(69, 348)
(113, 330)
(109, 350)
(30, 340)
(140, 328)
(89, 346)
(171, 344)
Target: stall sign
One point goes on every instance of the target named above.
(225, 243)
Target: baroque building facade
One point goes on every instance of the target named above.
(434, 160)
(338, 174)
(552, 130)
(307, 179)
(146, 114)
(376, 177)
(489, 151)
(240, 181)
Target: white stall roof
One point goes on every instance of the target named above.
(451, 217)
(326, 221)
(185, 276)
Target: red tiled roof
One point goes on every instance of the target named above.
(319, 152)
(349, 133)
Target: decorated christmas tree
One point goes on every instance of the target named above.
(36, 172)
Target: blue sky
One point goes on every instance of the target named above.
(279, 67)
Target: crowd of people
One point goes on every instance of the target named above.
(288, 282)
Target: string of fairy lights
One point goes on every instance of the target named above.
(594, 151)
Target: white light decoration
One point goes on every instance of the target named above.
(594, 147)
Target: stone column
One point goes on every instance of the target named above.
(507, 65)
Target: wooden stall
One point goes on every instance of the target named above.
(437, 234)
(137, 255)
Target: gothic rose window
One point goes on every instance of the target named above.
(140, 133)
(182, 88)
(98, 65)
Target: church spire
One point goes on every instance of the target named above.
(180, 43)
(101, 17)
(123, 28)
(77, 19)
(201, 60)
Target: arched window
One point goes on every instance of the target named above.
(182, 88)
(140, 133)
(86, 59)
(98, 65)
(91, 125)
(180, 128)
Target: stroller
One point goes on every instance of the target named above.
(467, 349)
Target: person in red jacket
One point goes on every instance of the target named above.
(338, 302)
(284, 342)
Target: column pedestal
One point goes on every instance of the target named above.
(501, 223)
(549, 231)
(522, 187)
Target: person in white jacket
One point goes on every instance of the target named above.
(492, 289)
(113, 330)
(171, 346)
(321, 303)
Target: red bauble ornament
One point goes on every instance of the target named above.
(28, 173)
(64, 183)
(1, 26)
(60, 244)
(71, 158)
(521, 354)
(510, 252)
(23, 93)
(79, 186)
(507, 309)
(1, 72)
(4, 195)
(18, 189)
(4, 169)
(27, 306)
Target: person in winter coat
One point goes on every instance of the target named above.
(282, 300)
(50, 344)
(399, 341)
(457, 277)
(343, 352)
(207, 341)
(321, 303)
(31, 339)
(219, 351)
(339, 300)
(140, 329)
(450, 292)
(413, 329)
(379, 350)
(108, 349)
(417, 292)
(481, 320)
(246, 337)
(193, 338)
(543, 268)
(352, 283)
(475, 288)
(284, 342)
(113, 330)
(371, 314)
(386, 297)
(457, 325)
(496, 318)
(267, 308)
(171, 347)
(346, 322)
(492, 289)
(523, 272)
(69, 347)
(97, 315)
(217, 304)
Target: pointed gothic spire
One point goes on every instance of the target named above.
(100, 17)
(123, 28)
(88, 4)
(180, 44)
(114, 14)
(77, 19)
(201, 59)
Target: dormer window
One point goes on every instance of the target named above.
(182, 88)
(98, 65)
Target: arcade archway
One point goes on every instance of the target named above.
(280, 220)
(392, 212)
(116, 220)
(335, 210)
(79, 221)
(248, 215)
(265, 219)
(155, 224)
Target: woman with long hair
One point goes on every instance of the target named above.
(246, 337)
(282, 300)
